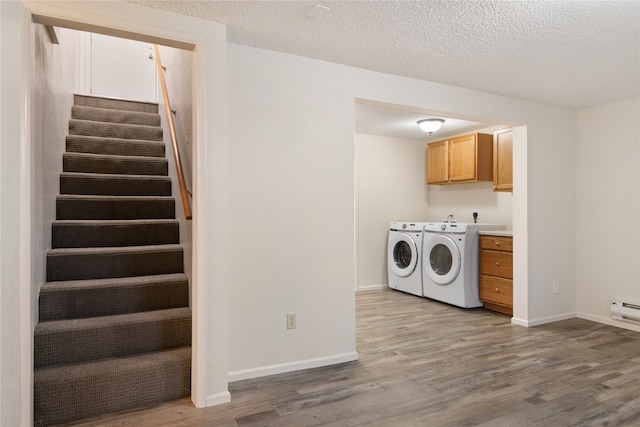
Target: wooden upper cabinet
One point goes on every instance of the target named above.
(437, 163)
(467, 158)
(503, 160)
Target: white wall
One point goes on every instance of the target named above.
(52, 94)
(15, 215)
(291, 127)
(608, 209)
(462, 200)
(391, 186)
(291, 170)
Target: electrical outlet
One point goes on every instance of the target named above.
(556, 287)
(291, 320)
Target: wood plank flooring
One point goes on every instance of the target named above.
(424, 363)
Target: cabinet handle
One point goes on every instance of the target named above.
(497, 264)
(497, 243)
(494, 187)
(497, 291)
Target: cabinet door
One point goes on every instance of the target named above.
(462, 158)
(437, 168)
(503, 161)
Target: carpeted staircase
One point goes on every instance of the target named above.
(114, 327)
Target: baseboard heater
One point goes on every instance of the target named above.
(621, 310)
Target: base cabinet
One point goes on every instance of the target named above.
(496, 273)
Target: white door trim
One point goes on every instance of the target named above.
(208, 42)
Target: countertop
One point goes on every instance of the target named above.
(505, 233)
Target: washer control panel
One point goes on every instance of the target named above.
(446, 227)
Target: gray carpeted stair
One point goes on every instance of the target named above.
(115, 164)
(105, 233)
(72, 206)
(104, 263)
(114, 130)
(77, 299)
(114, 146)
(62, 342)
(114, 327)
(114, 116)
(114, 185)
(115, 104)
(70, 392)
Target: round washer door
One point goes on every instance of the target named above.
(441, 259)
(403, 254)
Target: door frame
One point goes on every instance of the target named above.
(207, 40)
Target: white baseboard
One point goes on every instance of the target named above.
(292, 366)
(542, 320)
(611, 322)
(218, 398)
(519, 322)
(371, 288)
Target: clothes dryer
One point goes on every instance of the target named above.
(450, 262)
(403, 257)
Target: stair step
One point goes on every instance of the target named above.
(110, 233)
(115, 130)
(103, 263)
(114, 116)
(62, 342)
(67, 393)
(114, 146)
(109, 164)
(106, 297)
(114, 185)
(70, 206)
(115, 104)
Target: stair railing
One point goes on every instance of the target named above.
(174, 139)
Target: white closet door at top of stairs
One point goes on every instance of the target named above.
(122, 68)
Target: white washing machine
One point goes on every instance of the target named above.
(450, 262)
(403, 257)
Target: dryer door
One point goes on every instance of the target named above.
(442, 259)
(403, 254)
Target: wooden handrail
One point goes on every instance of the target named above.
(174, 139)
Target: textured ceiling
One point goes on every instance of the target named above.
(402, 123)
(572, 54)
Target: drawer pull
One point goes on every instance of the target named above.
(497, 264)
(497, 291)
(497, 243)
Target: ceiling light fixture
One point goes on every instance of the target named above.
(430, 125)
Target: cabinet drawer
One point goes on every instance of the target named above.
(496, 243)
(496, 290)
(496, 263)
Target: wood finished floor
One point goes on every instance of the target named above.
(423, 363)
